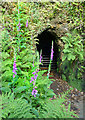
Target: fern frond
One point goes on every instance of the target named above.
(15, 108)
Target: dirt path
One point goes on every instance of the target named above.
(75, 97)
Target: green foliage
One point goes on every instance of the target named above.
(73, 55)
(72, 74)
(6, 63)
(42, 84)
(15, 108)
(54, 109)
(17, 100)
(12, 107)
(22, 41)
(73, 49)
(73, 14)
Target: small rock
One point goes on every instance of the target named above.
(74, 98)
(81, 93)
(73, 95)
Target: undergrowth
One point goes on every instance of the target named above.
(12, 107)
(25, 94)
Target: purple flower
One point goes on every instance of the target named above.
(27, 23)
(52, 52)
(3, 27)
(34, 83)
(35, 76)
(34, 92)
(18, 11)
(14, 65)
(19, 26)
(37, 71)
(13, 75)
(35, 87)
(33, 73)
(14, 68)
(32, 79)
(40, 57)
(14, 72)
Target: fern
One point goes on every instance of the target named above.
(15, 108)
(55, 109)
(73, 44)
(12, 107)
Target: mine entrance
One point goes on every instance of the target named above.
(45, 43)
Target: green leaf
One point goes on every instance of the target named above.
(66, 50)
(20, 89)
(50, 93)
(35, 112)
(64, 57)
(63, 77)
(69, 57)
(66, 46)
(5, 55)
(64, 39)
(73, 57)
(5, 89)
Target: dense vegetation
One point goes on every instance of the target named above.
(25, 91)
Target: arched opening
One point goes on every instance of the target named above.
(45, 43)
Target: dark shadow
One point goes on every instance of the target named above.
(45, 43)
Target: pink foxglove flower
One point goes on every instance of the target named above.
(19, 25)
(27, 23)
(35, 76)
(14, 69)
(32, 79)
(40, 58)
(34, 92)
(50, 60)
(18, 11)
(52, 52)
(33, 73)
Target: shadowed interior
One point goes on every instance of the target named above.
(45, 44)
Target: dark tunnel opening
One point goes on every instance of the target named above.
(45, 44)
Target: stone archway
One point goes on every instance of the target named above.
(45, 41)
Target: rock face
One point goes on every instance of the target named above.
(60, 27)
